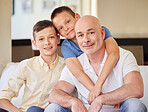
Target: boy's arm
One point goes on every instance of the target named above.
(111, 61)
(7, 105)
(112, 58)
(75, 67)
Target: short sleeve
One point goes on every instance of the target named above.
(107, 32)
(70, 49)
(130, 63)
(66, 51)
(66, 75)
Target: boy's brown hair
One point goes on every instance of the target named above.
(61, 9)
(40, 25)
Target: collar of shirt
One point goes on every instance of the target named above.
(86, 62)
(44, 64)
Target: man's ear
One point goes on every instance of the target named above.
(103, 33)
(77, 16)
(34, 43)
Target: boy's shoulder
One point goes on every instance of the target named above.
(67, 42)
(29, 61)
(61, 60)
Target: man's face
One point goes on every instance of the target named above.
(89, 36)
(65, 24)
(46, 41)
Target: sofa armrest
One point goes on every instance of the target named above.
(144, 73)
(6, 74)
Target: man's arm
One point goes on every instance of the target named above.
(7, 105)
(61, 95)
(133, 88)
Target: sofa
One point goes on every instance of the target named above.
(10, 68)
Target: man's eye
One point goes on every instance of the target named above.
(91, 32)
(51, 37)
(68, 21)
(80, 35)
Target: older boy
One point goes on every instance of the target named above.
(39, 74)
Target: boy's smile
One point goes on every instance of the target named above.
(46, 41)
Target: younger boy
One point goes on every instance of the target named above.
(39, 74)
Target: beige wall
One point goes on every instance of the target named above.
(5, 33)
(125, 18)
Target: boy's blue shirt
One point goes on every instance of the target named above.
(71, 49)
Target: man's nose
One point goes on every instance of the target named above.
(86, 38)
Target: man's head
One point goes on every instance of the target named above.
(45, 37)
(89, 34)
(64, 19)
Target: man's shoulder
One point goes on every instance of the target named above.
(124, 52)
(82, 57)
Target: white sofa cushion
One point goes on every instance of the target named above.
(6, 74)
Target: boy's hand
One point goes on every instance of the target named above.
(96, 91)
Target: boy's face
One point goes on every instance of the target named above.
(46, 41)
(65, 24)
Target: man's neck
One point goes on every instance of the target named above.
(96, 59)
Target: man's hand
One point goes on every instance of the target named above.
(96, 105)
(96, 91)
(78, 106)
(117, 105)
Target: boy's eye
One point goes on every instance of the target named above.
(41, 39)
(60, 28)
(68, 21)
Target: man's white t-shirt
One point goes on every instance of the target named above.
(126, 64)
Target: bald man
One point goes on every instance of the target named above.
(124, 86)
